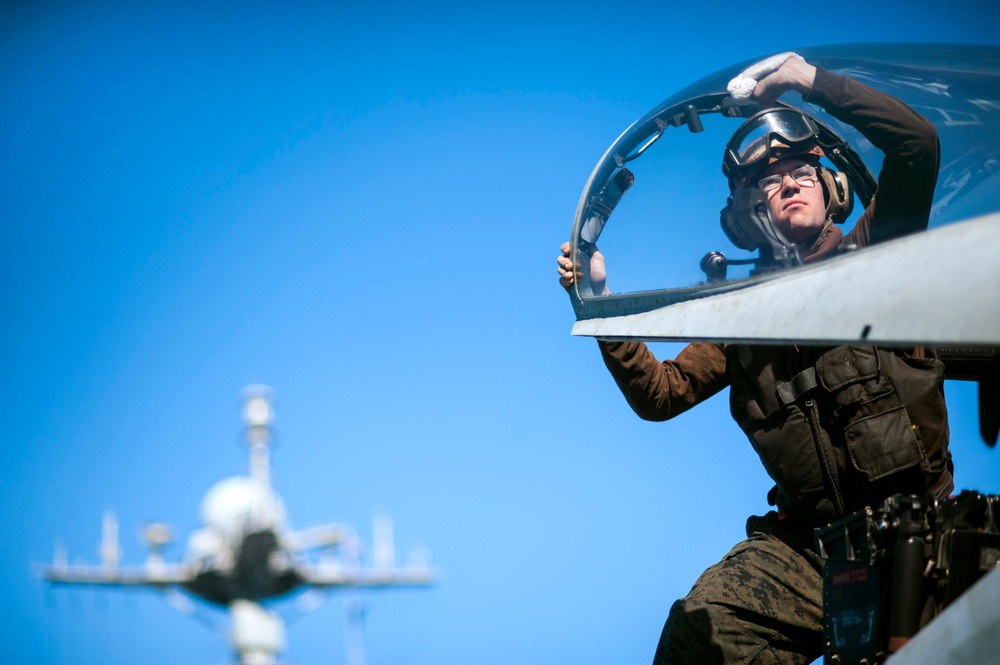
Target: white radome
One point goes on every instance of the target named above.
(238, 505)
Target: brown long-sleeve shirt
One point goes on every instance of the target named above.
(661, 390)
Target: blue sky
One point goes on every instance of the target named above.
(361, 207)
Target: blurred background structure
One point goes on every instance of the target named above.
(362, 206)
(245, 555)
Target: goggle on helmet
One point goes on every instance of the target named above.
(765, 138)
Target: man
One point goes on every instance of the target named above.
(836, 429)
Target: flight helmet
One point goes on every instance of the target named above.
(766, 137)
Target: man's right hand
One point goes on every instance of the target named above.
(795, 74)
(568, 275)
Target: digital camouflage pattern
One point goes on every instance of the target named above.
(762, 604)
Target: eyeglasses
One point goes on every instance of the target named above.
(804, 176)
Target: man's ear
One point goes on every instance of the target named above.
(837, 191)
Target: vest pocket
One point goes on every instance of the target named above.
(878, 433)
(852, 377)
(883, 443)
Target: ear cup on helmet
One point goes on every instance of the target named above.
(735, 231)
(839, 198)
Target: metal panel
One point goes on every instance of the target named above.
(941, 287)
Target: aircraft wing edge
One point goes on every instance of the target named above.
(937, 288)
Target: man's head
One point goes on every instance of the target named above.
(777, 152)
(794, 197)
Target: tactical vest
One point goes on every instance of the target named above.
(838, 429)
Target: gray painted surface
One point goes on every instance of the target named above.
(939, 288)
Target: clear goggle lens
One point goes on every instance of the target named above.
(753, 141)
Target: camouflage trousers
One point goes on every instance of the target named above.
(761, 604)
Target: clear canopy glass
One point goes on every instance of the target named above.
(652, 204)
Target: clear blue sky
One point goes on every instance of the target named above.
(360, 207)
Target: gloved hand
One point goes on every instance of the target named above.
(741, 88)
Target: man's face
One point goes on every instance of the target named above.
(797, 210)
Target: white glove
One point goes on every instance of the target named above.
(742, 87)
